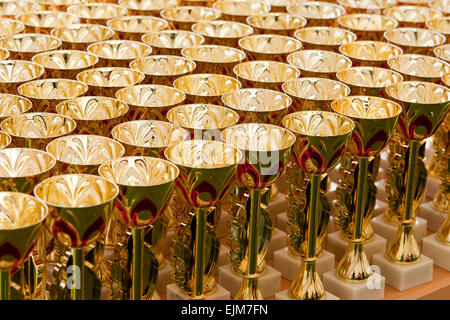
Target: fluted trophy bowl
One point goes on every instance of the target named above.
(118, 53)
(440, 5)
(5, 139)
(370, 53)
(134, 27)
(183, 17)
(415, 40)
(367, 26)
(269, 46)
(45, 21)
(324, 38)
(317, 13)
(418, 67)
(23, 46)
(11, 104)
(220, 32)
(12, 8)
(281, 23)
(79, 36)
(14, 73)
(97, 13)
(57, 5)
(172, 41)
(10, 26)
(412, 16)
(147, 8)
(441, 25)
(366, 6)
(239, 10)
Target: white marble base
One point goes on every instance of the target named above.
(388, 231)
(168, 243)
(381, 192)
(372, 289)
(338, 245)
(403, 277)
(282, 221)
(164, 278)
(223, 227)
(269, 283)
(331, 194)
(278, 241)
(289, 265)
(284, 295)
(174, 293)
(277, 206)
(436, 250)
(432, 187)
(434, 217)
(380, 207)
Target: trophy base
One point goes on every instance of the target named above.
(174, 293)
(380, 207)
(278, 241)
(282, 220)
(436, 250)
(402, 276)
(284, 295)
(338, 245)
(269, 283)
(434, 217)
(388, 231)
(164, 278)
(223, 227)
(289, 265)
(277, 206)
(224, 257)
(168, 242)
(432, 187)
(371, 289)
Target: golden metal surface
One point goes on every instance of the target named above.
(367, 26)
(57, 5)
(96, 13)
(23, 46)
(79, 36)
(183, 17)
(5, 139)
(10, 26)
(417, 67)
(441, 25)
(324, 38)
(370, 53)
(12, 8)
(172, 41)
(318, 13)
(45, 21)
(441, 5)
(276, 23)
(11, 104)
(366, 6)
(118, 53)
(134, 27)
(14, 73)
(415, 40)
(412, 16)
(145, 7)
(269, 47)
(226, 33)
(239, 10)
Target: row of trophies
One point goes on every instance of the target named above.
(108, 108)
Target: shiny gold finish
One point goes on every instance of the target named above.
(441, 5)
(324, 38)
(214, 58)
(47, 93)
(57, 5)
(108, 80)
(79, 36)
(412, 16)
(366, 6)
(4, 54)
(441, 143)
(172, 41)
(441, 25)
(118, 53)
(415, 40)
(370, 53)
(146, 7)
(24, 46)
(163, 69)
(417, 67)
(134, 27)
(36, 130)
(239, 10)
(12, 8)
(319, 63)
(225, 33)
(94, 114)
(65, 63)
(5, 139)
(265, 74)
(13, 73)
(150, 101)
(11, 105)
(276, 23)
(368, 81)
(96, 13)
(10, 26)
(314, 93)
(183, 17)
(367, 26)
(206, 88)
(317, 13)
(269, 47)
(45, 21)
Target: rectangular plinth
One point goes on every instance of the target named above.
(278, 241)
(277, 206)
(164, 277)
(434, 217)
(381, 192)
(436, 250)
(388, 231)
(432, 187)
(174, 293)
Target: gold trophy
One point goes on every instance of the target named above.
(415, 40)
(14, 73)
(239, 10)
(366, 6)
(281, 23)
(220, 32)
(134, 27)
(317, 13)
(206, 172)
(79, 36)
(10, 26)
(412, 16)
(370, 53)
(441, 25)
(322, 138)
(23, 46)
(45, 21)
(12, 8)
(170, 42)
(369, 27)
(118, 53)
(324, 38)
(11, 104)
(183, 17)
(146, 7)
(440, 5)
(96, 13)
(269, 47)
(267, 150)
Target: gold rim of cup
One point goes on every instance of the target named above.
(147, 8)
(12, 8)
(412, 16)
(45, 21)
(171, 42)
(13, 73)
(11, 104)
(366, 6)
(418, 67)
(370, 53)
(4, 54)
(446, 79)
(134, 27)
(24, 46)
(10, 26)
(57, 5)
(441, 25)
(5, 139)
(441, 5)
(317, 13)
(239, 10)
(324, 38)
(96, 13)
(443, 52)
(269, 46)
(367, 26)
(221, 32)
(183, 17)
(79, 36)
(414, 40)
(276, 23)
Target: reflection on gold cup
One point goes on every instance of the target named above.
(370, 53)
(319, 63)
(5, 139)
(276, 23)
(203, 3)
(24, 46)
(47, 93)
(314, 93)
(172, 41)
(107, 81)
(265, 74)
(11, 104)
(269, 47)
(225, 33)
(146, 7)
(183, 17)
(214, 58)
(79, 36)
(10, 26)
(12, 8)
(415, 40)
(58, 5)
(366, 6)
(324, 38)
(318, 13)
(36, 130)
(118, 53)
(150, 101)
(134, 27)
(367, 26)
(14, 73)
(96, 13)
(163, 69)
(412, 16)
(443, 52)
(239, 10)
(65, 63)
(94, 115)
(418, 67)
(441, 5)
(441, 25)
(44, 21)
(4, 54)
(206, 88)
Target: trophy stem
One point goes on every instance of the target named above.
(4, 284)
(200, 246)
(255, 202)
(363, 170)
(77, 290)
(249, 290)
(138, 262)
(314, 216)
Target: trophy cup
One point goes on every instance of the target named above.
(80, 207)
(214, 58)
(280, 23)
(375, 121)
(370, 53)
(79, 36)
(22, 217)
(4, 54)
(170, 42)
(14, 73)
(225, 33)
(65, 63)
(108, 80)
(203, 3)
(443, 52)
(163, 69)
(317, 13)
(322, 138)
(57, 5)
(183, 17)
(145, 185)
(440, 5)
(96, 13)
(267, 150)
(319, 63)
(324, 38)
(35, 130)
(150, 101)
(11, 104)
(414, 40)
(12, 8)
(46, 94)
(118, 53)
(239, 10)
(269, 47)
(45, 21)
(134, 27)
(10, 26)
(23, 46)
(206, 171)
(279, 6)
(367, 26)
(366, 6)
(147, 7)
(94, 115)
(441, 25)
(412, 16)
